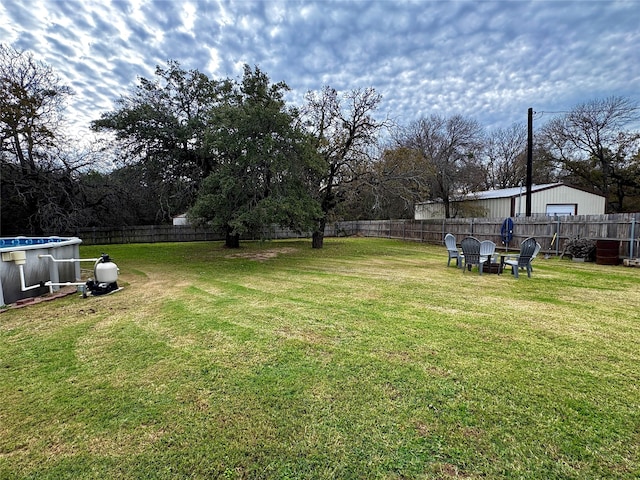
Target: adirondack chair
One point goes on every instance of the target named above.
(452, 249)
(471, 251)
(487, 250)
(533, 257)
(535, 253)
(523, 260)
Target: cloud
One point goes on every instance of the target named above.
(488, 60)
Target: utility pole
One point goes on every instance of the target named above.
(529, 160)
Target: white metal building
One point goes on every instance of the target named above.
(181, 219)
(548, 199)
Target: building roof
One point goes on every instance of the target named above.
(510, 192)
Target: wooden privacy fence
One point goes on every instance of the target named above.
(165, 233)
(551, 232)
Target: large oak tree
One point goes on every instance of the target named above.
(263, 163)
(160, 129)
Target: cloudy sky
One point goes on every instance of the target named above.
(483, 59)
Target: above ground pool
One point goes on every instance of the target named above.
(22, 256)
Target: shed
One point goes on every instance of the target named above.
(547, 199)
(181, 219)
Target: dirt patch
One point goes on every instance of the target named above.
(263, 255)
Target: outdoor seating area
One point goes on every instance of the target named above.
(482, 255)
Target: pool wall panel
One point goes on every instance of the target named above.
(37, 269)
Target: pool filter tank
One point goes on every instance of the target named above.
(105, 276)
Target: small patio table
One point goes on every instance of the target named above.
(492, 263)
(503, 257)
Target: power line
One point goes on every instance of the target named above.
(541, 113)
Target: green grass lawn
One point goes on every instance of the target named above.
(366, 359)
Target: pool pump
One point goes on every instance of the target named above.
(105, 276)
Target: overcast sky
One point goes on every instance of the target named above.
(486, 60)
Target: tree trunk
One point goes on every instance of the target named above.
(232, 240)
(317, 238)
(447, 207)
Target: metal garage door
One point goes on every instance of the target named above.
(561, 209)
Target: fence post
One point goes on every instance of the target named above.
(633, 236)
